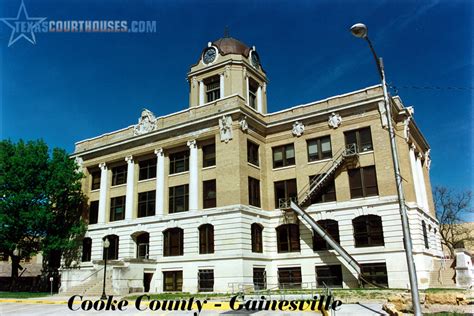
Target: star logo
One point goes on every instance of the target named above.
(22, 26)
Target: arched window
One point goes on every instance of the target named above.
(288, 238)
(368, 231)
(113, 250)
(142, 240)
(332, 228)
(173, 242)
(425, 235)
(86, 249)
(206, 239)
(257, 238)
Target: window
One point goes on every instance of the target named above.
(254, 192)
(213, 89)
(332, 229)
(257, 237)
(319, 148)
(179, 199)
(94, 212)
(113, 250)
(143, 245)
(86, 249)
(172, 281)
(253, 87)
(368, 231)
(147, 169)
(208, 155)
(329, 276)
(289, 278)
(375, 273)
(363, 182)
(173, 242)
(326, 193)
(259, 279)
(117, 208)
(95, 180)
(119, 175)
(209, 193)
(252, 153)
(288, 238)
(425, 235)
(206, 280)
(283, 156)
(285, 190)
(361, 138)
(146, 203)
(179, 162)
(206, 239)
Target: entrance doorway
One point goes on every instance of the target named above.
(147, 281)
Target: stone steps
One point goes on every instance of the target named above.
(443, 274)
(91, 288)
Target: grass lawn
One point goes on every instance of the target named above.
(23, 294)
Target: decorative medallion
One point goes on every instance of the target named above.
(298, 128)
(146, 123)
(334, 120)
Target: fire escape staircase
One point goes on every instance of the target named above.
(299, 204)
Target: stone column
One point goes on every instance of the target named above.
(414, 172)
(248, 89)
(201, 93)
(259, 100)
(130, 197)
(160, 182)
(193, 175)
(103, 192)
(421, 181)
(221, 85)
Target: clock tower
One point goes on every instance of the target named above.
(228, 67)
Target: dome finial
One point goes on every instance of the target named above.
(226, 31)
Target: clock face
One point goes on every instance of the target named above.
(255, 59)
(209, 55)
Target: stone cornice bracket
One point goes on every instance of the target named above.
(191, 143)
(159, 152)
(225, 128)
(103, 166)
(244, 126)
(383, 114)
(194, 81)
(227, 71)
(80, 163)
(265, 87)
(245, 72)
(129, 159)
(428, 158)
(298, 128)
(334, 120)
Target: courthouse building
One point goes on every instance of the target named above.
(194, 201)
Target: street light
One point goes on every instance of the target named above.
(360, 30)
(105, 245)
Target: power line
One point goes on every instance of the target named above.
(432, 88)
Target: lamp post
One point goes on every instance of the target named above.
(360, 30)
(105, 245)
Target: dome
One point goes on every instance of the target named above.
(229, 45)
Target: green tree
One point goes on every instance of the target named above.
(41, 204)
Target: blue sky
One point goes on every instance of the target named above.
(69, 87)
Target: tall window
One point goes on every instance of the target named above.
(119, 175)
(173, 242)
(147, 169)
(283, 156)
(206, 280)
(289, 278)
(257, 237)
(179, 199)
(179, 162)
(368, 231)
(252, 153)
(329, 276)
(363, 182)
(425, 235)
(143, 245)
(285, 190)
(86, 249)
(146, 203)
(209, 193)
(361, 138)
(94, 212)
(319, 148)
(375, 273)
(95, 185)
(254, 192)
(288, 238)
(113, 250)
(326, 193)
(213, 89)
(206, 239)
(259, 279)
(253, 87)
(117, 208)
(209, 155)
(172, 281)
(332, 228)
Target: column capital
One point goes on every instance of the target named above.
(412, 146)
(103, 166)
(129, 159)
(191, 143)
(420, 155)
(159, 151)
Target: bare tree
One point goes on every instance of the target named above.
(453, 210)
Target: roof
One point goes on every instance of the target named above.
(230, 45)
